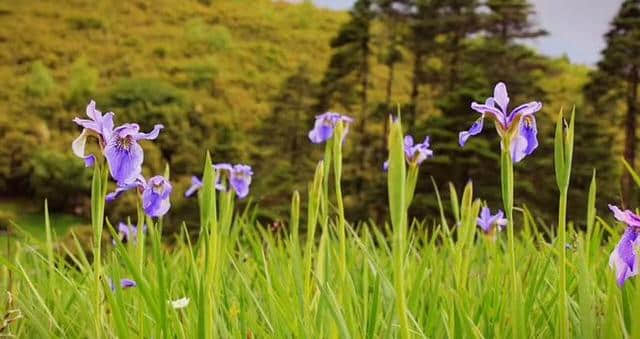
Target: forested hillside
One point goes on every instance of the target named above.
(244, 79)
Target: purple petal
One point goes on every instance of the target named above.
(151, 135)
(125, 163)
(500, 96)
(320, 133)
(89, 160)
(240, 180)
(92, 112)
(127, 283)
(475, 129)
(498, 115)
(624, 258)
(519, 145)
(139, 182)
(385, 166)
(408, 141)
(156, 196)
(524, 110)
(626, 216)
(196, 184)
(526, 140)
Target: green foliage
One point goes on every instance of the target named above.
(85, 23)
(41, 82)
(616, 82)
(215, 38)
(54, 172)
(83, 82)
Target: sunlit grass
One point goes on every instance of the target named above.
(437, 278)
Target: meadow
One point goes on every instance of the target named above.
(212, 189)
(471, 275)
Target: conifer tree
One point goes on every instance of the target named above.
(618, 76)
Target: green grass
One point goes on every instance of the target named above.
(31, 219)
(418, 279)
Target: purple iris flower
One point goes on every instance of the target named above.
(124, 283)
(156, 194)
(239, 178)
(624, 257)
(415, 154)
(325, 125)
(98, 125)
(124, 154)
(196, 183)
(491, 223)
(128, 233)
(518, 128)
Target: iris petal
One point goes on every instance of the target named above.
(124, 164)
(475, 129)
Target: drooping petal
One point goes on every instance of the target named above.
(500, 96)
(151, 135)
(626, 216)
(78, 145)
(320, 132)
(196, 184)
(519, 145)
(529, 131)
(125, 163)
(138, 182)
(385, 166)
(89, 160)
(624, 258)
(475, 129)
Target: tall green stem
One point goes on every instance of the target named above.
(337, 175)
(562, 230)
(506, 168)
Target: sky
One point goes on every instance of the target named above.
(576, 27)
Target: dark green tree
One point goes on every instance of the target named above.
(285, 149)
(618, 76)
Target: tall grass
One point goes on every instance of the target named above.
(406, 278)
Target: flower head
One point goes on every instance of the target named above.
(491, 223)
(325, 125)
(124, 284)
(239, 178)
(517, 129)
(98, 125)
(624, 257)
(124, 154)
(415, 154)
(155, 196)
(156, 193)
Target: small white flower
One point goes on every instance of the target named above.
(180, 303)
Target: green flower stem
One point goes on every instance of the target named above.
(506, 169)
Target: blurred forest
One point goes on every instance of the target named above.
(245, 78)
